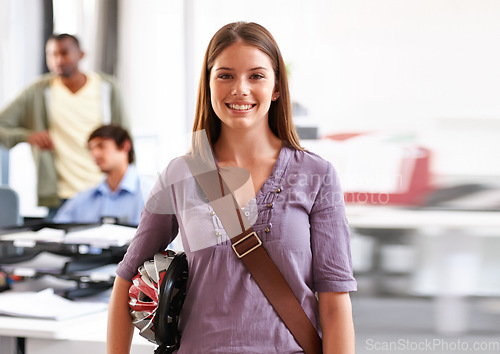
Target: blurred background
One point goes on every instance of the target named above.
(403, 97)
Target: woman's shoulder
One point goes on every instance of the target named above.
(307, 160)
(176, 169)
(176, 163)
(184, 167)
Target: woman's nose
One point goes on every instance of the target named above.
(240, 88)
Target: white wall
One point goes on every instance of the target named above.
(21, 42)
(427, 67)
(371, 64)
(151, 72)
(413, 66)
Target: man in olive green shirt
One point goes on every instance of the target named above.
(55, 115)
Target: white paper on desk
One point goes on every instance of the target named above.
(104, 273)
(48, 234)
(27, 237)
(42, 283)
(23, 235)
(373, 168)
(43, 262)
(102, 236)
(45, 304)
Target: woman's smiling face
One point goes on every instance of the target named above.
(242, 86)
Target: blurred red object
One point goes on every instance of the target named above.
(415, 171)
(342, 136)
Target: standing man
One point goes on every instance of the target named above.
(121, 194)
(55, 115)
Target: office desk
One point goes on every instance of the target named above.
(457, 256)
(386, 217)
(81, 335)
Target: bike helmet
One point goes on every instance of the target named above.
(156, 296)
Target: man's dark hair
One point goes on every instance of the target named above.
(63, 36)
(118, 134)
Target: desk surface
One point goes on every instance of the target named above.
(457, 255)
(84, 328)
(385, 217)
(40, 328)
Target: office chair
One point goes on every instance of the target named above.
(9, 207)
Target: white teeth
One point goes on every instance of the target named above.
(242, 107)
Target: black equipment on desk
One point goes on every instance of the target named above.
(75, 261)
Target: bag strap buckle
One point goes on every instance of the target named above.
(248, 244)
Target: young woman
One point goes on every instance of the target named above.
(244, 107)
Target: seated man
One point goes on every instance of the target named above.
(119, 196)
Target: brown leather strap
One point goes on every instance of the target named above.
(274, 286)
(266, 274)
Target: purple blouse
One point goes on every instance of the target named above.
(299, 216)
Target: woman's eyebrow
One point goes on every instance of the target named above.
(223, 68)
(259, 68)
(252, 69)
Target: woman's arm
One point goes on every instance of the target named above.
(335, 314)
(120, 328)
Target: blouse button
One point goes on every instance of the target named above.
(218, 234)
(278, 190)
(212, 213)
(267, 230)
(270, 205)
(247, 213)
